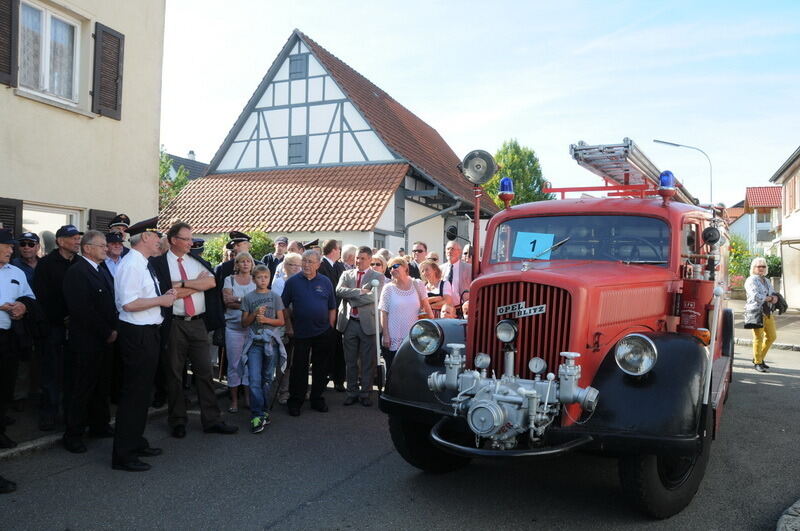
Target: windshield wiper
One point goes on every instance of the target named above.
(552, 248)
(646, 262)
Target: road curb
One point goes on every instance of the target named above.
(779, 346)
(48, 441)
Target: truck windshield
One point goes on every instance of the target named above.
(630, 239)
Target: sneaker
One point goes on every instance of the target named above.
(764, 365)
(257, 425)
(760, 368)
(265, 418)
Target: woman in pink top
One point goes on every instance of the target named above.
(401, 302)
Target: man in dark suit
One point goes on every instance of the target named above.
(89, 294)
(331, 267)
(196, 311)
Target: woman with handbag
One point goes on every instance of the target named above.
(401, 302)
(758, 311)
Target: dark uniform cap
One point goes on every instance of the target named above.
(68, 230)
(120, 220)
(235, 237)
(148, 225)
(282, 239)
(311, 244)
(30, 236)
(7, 237)
(198, 243)
(113, 237)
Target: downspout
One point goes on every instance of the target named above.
(426, 218)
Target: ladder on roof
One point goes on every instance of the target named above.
(625, 169)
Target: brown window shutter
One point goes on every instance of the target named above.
(109, 46)
(100, 219)
(11, 214)
(9, 38)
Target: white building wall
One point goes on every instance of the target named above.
(431, 231)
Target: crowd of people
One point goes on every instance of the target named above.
(118, 317)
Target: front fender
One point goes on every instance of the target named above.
(407, 393)
(665, 403)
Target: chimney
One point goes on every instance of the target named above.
(191, 155)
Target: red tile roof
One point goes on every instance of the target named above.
(400, 129)
(734, 213)
(763, 197)
(344, 198)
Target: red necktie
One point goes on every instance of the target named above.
(188, 303)
(359, 276)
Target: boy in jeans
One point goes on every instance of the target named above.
(262, 311)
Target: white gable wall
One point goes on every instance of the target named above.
(303, 118)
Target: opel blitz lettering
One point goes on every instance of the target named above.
(595, 324)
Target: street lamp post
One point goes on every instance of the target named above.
(710, 170)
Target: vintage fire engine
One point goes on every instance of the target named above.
(593, 323)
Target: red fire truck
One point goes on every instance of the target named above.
(594, 323)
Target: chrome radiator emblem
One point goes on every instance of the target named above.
(519, 309)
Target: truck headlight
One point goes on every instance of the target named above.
(636, 354)
(506, 330)
(426, 337)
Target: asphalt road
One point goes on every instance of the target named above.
(339, 471)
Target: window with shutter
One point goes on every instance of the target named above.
(298, 67)
(11, 214)
(100, 219)
(109, 47)
(297, 150)
(400, 210)
(9, 36)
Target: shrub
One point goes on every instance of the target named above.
(774, 266)
(740, 258)
(215, 247)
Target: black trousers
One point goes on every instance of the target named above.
(91, 379)
(321, 348)
(8, 372)
(139, 348)
(338, 368)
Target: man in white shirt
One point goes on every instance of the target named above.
(196, 311)
(456, 271)
(139, 301)
(13, 286)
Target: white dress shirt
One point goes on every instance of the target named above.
(134, 281)
(94, 265)
(193, 269)
(13, 285)
(112, 265)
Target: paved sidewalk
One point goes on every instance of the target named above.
(788, 326)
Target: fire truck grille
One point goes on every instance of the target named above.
(545, 335)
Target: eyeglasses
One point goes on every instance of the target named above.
(761, 267)
(417, 251)
(101, 245)
(396, 266)
(27, 244)
(377, 264)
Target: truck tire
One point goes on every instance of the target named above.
(662, 486)
(727, 341)
(412, 441)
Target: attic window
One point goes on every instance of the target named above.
(298, 154)
(298, 67)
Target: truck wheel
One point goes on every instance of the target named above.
(411, 440)
(662, 486)
(727, 341)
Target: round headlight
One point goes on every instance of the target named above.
(506, 330)
(426, 337)
(636, 354)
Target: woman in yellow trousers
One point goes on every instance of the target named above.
(760, 301)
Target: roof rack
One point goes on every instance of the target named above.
(624, 168)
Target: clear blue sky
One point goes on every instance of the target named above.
(723, 76)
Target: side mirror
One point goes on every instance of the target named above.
(451, 233)
(711, 235)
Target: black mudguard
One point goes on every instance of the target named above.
(658, 411)
(407, 392)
